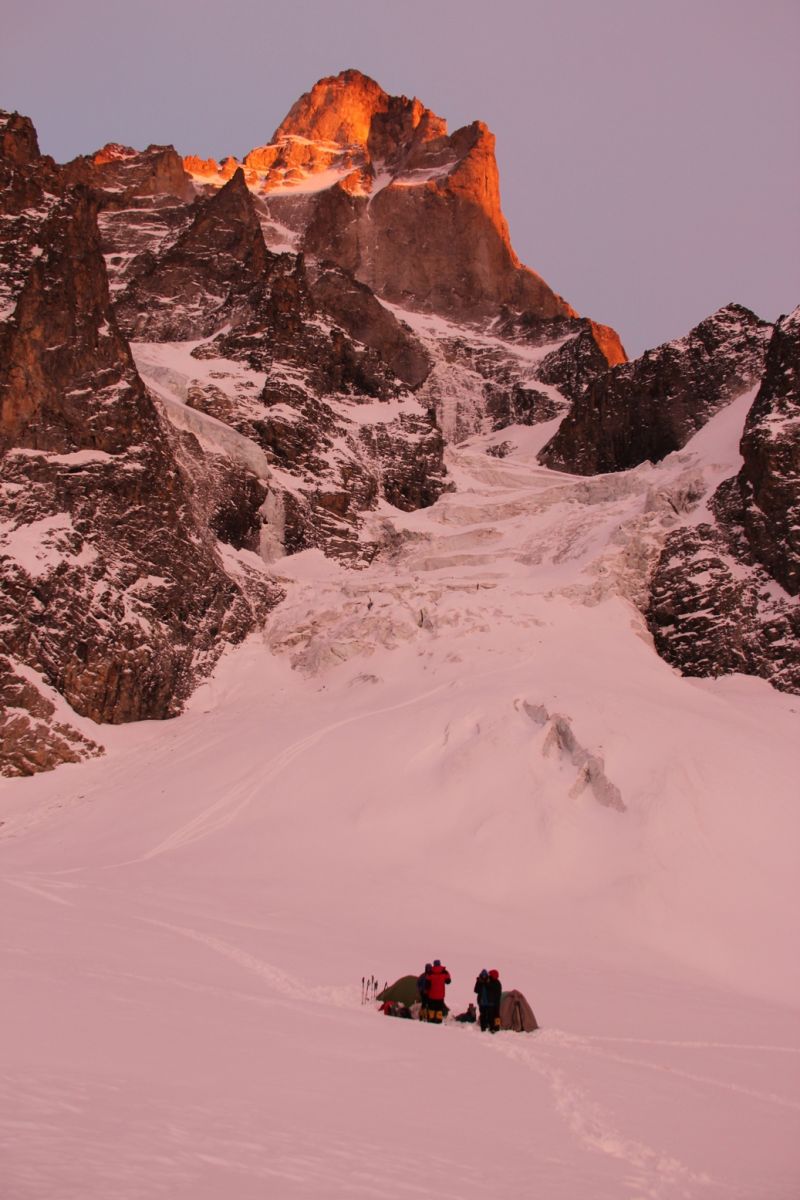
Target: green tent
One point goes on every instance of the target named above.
(403, 990)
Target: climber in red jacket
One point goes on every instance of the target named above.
(437, 979)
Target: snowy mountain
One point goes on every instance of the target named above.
(476, 640)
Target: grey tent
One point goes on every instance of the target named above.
(516, 1013)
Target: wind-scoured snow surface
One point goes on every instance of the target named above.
(468, 751)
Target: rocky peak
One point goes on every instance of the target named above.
(64, 306)
(19, 145)
(375, 184)
(29, 184)
(113, 152)
(339, 108)
(352, 111)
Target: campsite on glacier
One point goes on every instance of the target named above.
(382, 777)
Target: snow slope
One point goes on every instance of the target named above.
(471, 751)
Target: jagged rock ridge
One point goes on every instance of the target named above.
(644, 410)
(724, 593)
(115, 592)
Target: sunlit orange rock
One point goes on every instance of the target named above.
(262, 158)
(340, 109)
(376, 184)
(609, 342)
(415, 213)
(112, 152)
(200, 166)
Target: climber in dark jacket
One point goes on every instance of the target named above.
(489, 990)
(438, 978)
(422, 988)
(495, 996)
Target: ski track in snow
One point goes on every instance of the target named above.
(653, 1173)
(227, 808)
(284, 983)
(698, 1045)
(585, 1046)
(37, 888)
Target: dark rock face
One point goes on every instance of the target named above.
(770, 478)
(218, 272)
(124, 175)
(339, 464)
(19, 145)
(353, 306)
(580, 355)
(714, 604)
(113, 589)
(644, 410)
(191, 289)
(33, 738)
(510, 403)
(27, 183)
(578, 362)
(62, 346)
(145, 202)
(711, 614)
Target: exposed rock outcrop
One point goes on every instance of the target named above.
(644, 410)
(197, 284)
(145, 202)
(123, 174)
(113, 590)
(770, 477)
(715, 605)
(29, 183)
(32, 736)
(19, 145)
(711, 613)
(353, 306)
